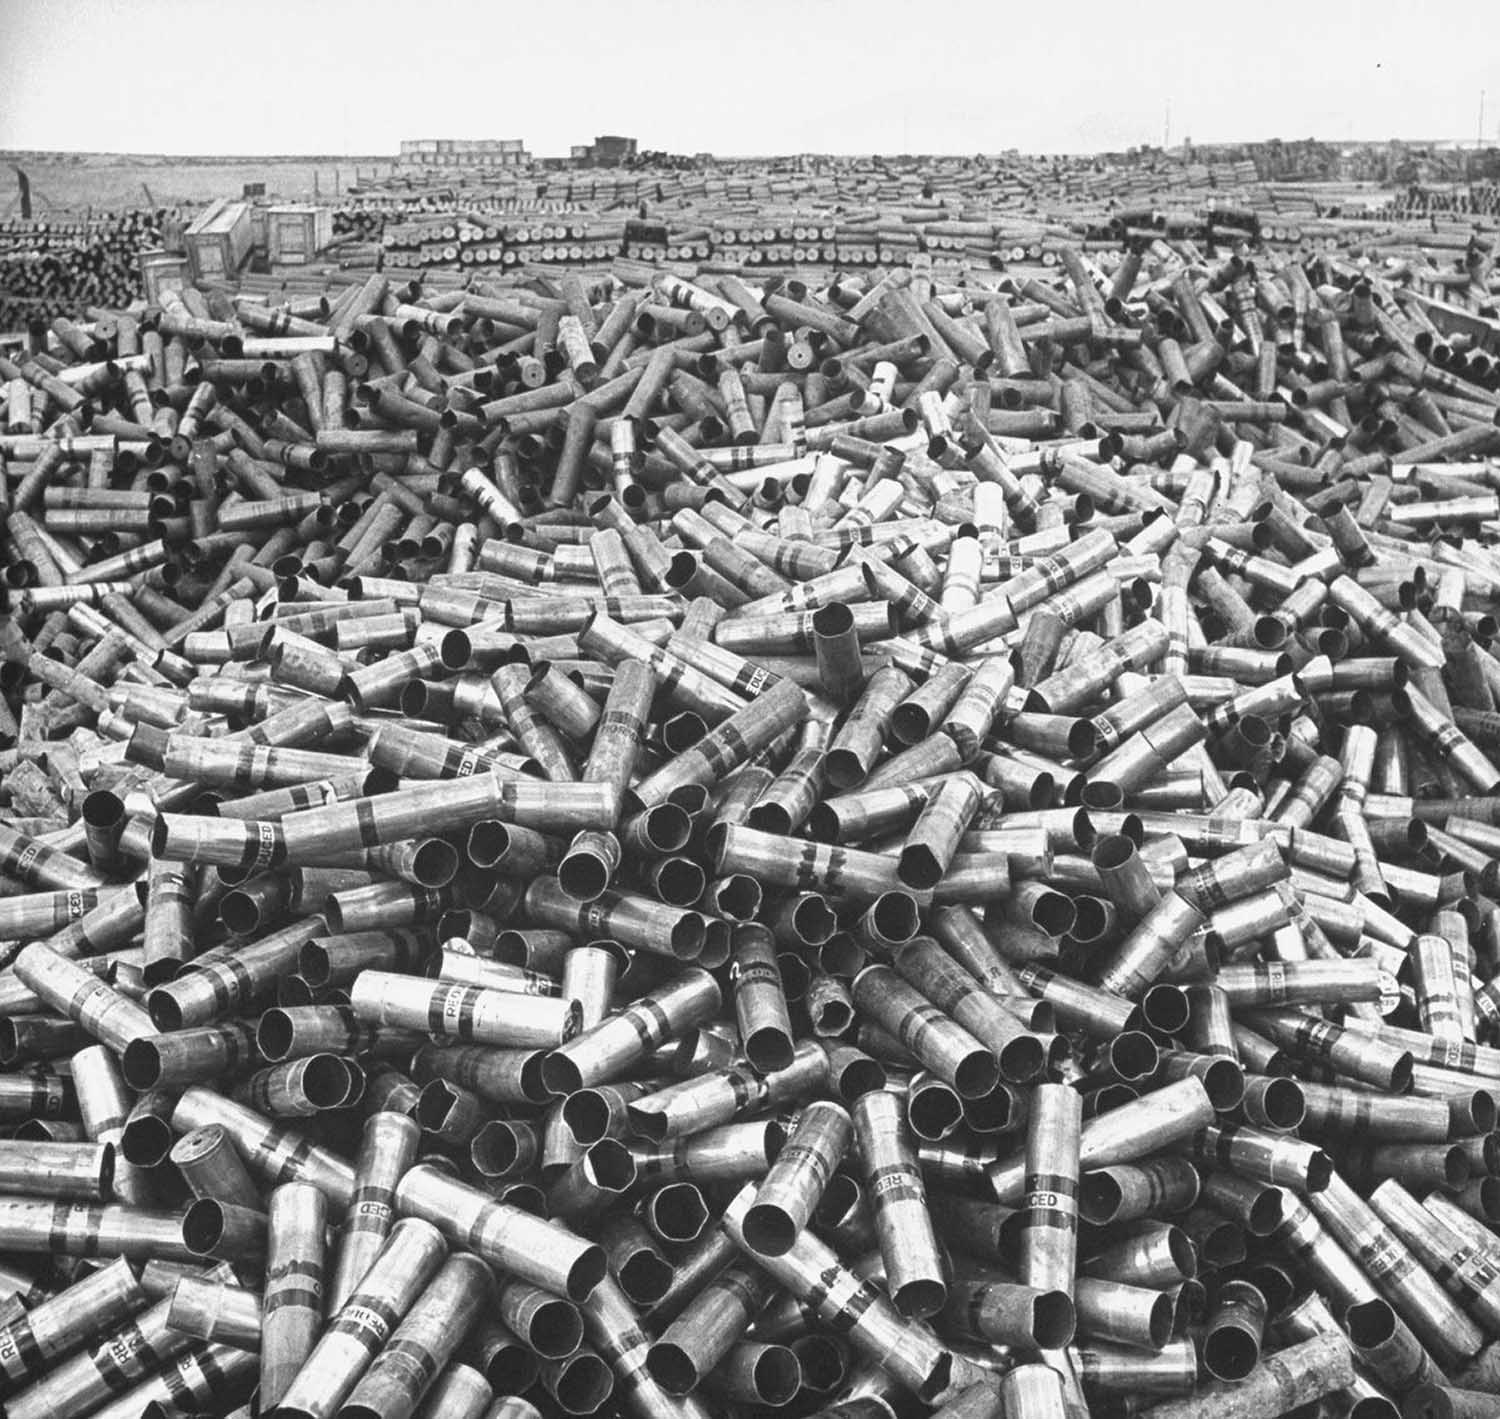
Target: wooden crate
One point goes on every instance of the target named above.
(219, 239)
(163, 271)
(296, 234)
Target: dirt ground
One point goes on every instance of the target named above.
(72, 183)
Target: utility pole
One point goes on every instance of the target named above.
(1478, 136)
(25, 185)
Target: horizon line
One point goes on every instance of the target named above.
(1471, 144)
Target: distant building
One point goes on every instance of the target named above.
(463, 152)
(606, 151)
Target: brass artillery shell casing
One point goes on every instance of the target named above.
(270, 1151)
(718, 1095)
(418, 1348)
(410, 1258)
(56, 1325)
(915, 1272)
(1019, 1053)
(977, 704)
(943, 1046)
(211, 1166)
(907, 1349)
(721, 1312)
(71, 1170)
(1436, 1320)
(215, 1310)
(1033, 1389)
(110, 1367)
(108, 1016)
(549, 1256)
(1049, 1239)
(472, 1014)
(1174, 1112)
(293, 1305)
(598, 1054)
(760, 1002)
(1302, 1372)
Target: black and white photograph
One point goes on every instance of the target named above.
(768, 711)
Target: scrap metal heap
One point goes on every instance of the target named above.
(690, 842)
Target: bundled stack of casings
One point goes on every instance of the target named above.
(363, 220)
(698, 844)
(757, 238)
(420, 244)
(482, 242)
(470, 239)
(1419, 203)
(575, 239)
(51, 268)
(655, 242)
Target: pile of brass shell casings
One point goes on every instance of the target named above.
(674, 844)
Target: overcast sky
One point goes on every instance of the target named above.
(753, 76)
